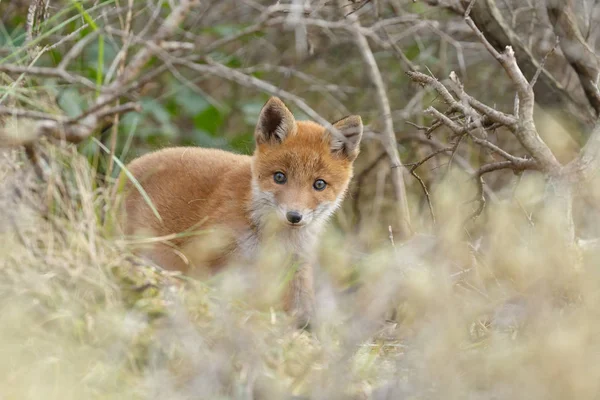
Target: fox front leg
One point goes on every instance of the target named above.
(299, 300)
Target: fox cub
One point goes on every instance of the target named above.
(285, 191)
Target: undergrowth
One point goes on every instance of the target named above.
(507, 311)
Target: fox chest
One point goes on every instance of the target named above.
(251, 246)
(248, 245)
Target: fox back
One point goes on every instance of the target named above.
(214, 206)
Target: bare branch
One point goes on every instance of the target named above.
(502, 153)
(541, 68)
(360, 179)
(77, 129)
(530, 164)
(266, 19)
(491, 113)
(169, 25)
(578, 53)
(525, 130)
(15, 112)
(426, 193)
(234, 75)
(49, 73)
(434, 83)
(456, 128)
(119, 109)
(389, 138)
(76, 50)
(550, 93)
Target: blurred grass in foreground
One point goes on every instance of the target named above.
(510, 312)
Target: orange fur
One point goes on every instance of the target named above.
(237, 198)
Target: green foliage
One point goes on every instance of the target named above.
(173, 112)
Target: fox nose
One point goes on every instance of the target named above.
(293, 216)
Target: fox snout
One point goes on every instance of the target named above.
(293, 217)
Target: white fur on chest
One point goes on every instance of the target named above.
(248, 245)
(298, 241)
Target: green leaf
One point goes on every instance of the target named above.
(71, 102)
(226, 29)
(189, 101)
(209, 120)
(205, 139)
(153, 110)
(412, 52)
(419, 7)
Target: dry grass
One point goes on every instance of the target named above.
(510, 312)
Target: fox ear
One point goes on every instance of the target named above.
(275, 122)
(346, 143)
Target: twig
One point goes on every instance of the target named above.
(427, 130)
(541, 68)
(490, 168)
(493, 114)
(119, 109)
(469, 8)
(360, 6)
(265, 19)
(430, 156)
(436, 144)
(18, 113)
(48, 72)
(504, 154)
(215, 68)
(360, 178)
(426, 192)
(76, 50)
(122, 59)
(169, 25)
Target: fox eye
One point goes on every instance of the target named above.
(319, 184)
(279, 178)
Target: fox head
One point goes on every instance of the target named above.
(301, 170)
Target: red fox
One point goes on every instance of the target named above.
(294, 181)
